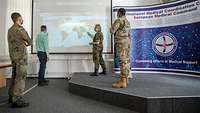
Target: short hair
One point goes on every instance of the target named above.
(98, 25)
(14, 16)
(43, 27)
(122, 11)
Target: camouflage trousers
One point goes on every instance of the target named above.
(19, 72)
(98, 60)
(123, 52)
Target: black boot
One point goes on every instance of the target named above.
(103, 72)
(10, 99)
(19, 103)
(95, 73)
(46, 81)
(43, 82)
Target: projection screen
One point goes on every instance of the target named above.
(70, 24)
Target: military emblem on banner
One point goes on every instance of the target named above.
(164, 44)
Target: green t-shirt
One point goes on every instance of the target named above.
(42, 43)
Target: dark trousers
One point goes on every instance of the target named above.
(43, 61)
(98, 60)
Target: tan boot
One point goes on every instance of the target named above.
(130, 76)
(122, 83)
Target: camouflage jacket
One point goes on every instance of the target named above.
(18, 40)
(98, 41)
(121, 28)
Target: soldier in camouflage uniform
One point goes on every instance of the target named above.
(121, 30)
(97, 51)
(18, 40)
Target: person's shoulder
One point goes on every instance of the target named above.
(117, 20)
(99, 33)
(13, 29)
(40, 34)
(44, 34)
(19, 29)
(123, 18)
(10, 29)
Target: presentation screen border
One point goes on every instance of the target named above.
(32, 23)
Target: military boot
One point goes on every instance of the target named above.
(10, 99)
(19, 103)
(130, 76)
(43, 82)
(103, 72)
(122, 83)
(95, 73)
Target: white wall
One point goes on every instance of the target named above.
(3, 7)
(59, 65)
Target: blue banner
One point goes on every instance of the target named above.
(165, 37)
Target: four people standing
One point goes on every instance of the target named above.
(18, 40)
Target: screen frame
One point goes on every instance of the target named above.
(112, 40)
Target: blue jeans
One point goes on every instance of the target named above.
(43, 61)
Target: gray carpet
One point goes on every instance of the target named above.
(55, 98)
(4, 91)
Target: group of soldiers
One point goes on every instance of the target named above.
(121, 31)
(18, 40)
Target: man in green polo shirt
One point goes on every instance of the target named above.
(42, 47)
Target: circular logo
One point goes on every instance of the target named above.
(164, 44)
